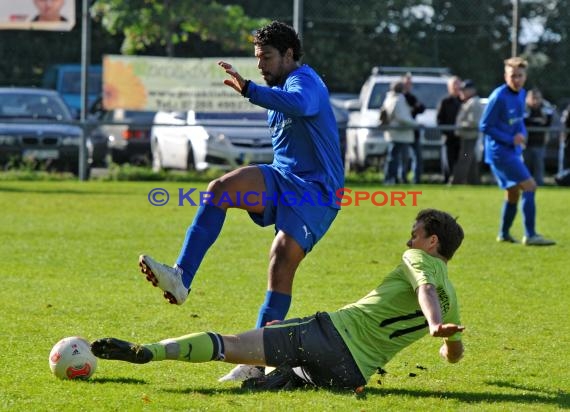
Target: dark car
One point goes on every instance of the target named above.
(127, 133)
(35, 128)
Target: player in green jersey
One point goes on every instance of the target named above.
(340, 349)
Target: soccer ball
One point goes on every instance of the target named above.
(71, 358)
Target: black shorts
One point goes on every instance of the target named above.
(314, 344)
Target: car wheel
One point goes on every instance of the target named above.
(190, 164)
(157, 164)
(118, 157)
(353, 166)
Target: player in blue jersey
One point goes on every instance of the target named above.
(505, 135)
(307, 165)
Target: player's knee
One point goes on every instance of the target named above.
(216, 187)
(529, 185)
(285, 249)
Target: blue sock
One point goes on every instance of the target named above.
(508, 214)
(275, 307)
(529, 213)
(200, 236)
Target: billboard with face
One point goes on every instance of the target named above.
(58, 15)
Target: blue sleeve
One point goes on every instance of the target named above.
(298, 97)
(490, 123)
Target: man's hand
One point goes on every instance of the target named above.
(273, 322)
(519, 139)
(445, 330)
(451, 351)
(236, 82)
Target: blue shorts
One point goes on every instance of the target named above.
(298, 208)
(510, 171)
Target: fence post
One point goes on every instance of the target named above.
(85, 52)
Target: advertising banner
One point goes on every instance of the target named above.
(174, 84)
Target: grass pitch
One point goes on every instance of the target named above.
(69, 267)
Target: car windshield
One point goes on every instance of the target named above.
(427, 93)
(256, 118)
(32, 106)
(254, 115)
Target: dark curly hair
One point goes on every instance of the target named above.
(445, 227)
(281, 36)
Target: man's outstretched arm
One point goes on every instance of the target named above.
(452, 351)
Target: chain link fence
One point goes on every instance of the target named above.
(346, 38)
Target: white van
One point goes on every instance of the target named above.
(365, 143)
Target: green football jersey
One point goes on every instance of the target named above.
(390, 318)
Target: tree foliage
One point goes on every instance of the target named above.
(170, 22)
(343, 39)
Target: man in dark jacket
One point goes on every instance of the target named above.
(416, 107)
(446, 115)
(537, 115)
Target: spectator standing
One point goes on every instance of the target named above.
(400, 135)
(503, 126)
(446, 115)
(537, 115)
(416, 108)
(466, 170)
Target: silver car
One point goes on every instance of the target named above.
(199, 141)
(127, 134)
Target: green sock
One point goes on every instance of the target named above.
(196, 347)
(158, 350)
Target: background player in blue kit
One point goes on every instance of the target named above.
(307, 162)
(505, 135)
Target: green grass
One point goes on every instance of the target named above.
(69, 267)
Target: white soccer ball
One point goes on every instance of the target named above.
(71, 358)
